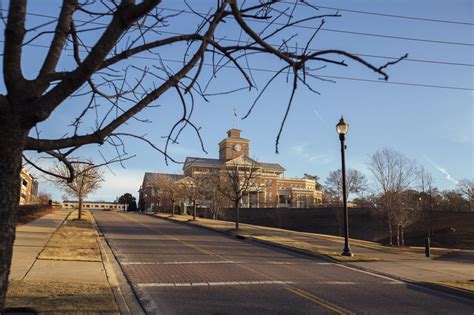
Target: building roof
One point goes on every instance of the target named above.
(151, 178)
(272, 167)
(205, 162)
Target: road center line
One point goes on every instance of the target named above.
(335, 308)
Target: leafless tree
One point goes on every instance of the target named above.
(194, 190)
(169, 190)
(91, 47)
(238, 180)
(87, 180)
(213, 197)
(426, 199)
(355, 182)
(466, 188)
(407, 211)
(44, 198)
(393, 173)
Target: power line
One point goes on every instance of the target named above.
(322, 76)
(237, 41)
(348, 32)
(392, 15)
(329, 30)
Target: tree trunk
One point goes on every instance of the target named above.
(398, 235)
(237, 208)
(172, 209)
(79, 211)
(11, 146)
(402, 235)
(390, 233)
(194, 209)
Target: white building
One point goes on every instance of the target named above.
(94, 205)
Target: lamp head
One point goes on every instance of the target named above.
(342, 127)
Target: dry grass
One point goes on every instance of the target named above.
(74, 240)
(61, 297)
(321, 250)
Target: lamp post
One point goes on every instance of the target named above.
(342, 127)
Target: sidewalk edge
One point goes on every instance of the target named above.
(124, 294)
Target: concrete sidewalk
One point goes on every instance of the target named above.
(57, 283)
(449, 266)
(32, 238)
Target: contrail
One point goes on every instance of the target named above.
(444, 171)
(320, 118)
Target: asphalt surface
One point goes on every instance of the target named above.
(179, 269)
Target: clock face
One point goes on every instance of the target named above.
(237, 147)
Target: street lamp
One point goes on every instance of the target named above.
(342, 127)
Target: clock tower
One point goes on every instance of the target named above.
(233, 146)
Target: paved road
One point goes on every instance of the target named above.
(179, 269)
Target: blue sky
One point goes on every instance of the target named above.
(432, 125)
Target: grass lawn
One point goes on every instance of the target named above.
(74, 240)
(61, 297)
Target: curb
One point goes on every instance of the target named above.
(124, 295)
(434, 287)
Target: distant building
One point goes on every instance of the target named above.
(28, 188)
(274, 190)
(94, 205)
(149, 192)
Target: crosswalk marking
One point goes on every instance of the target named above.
(178, 262)
(223, 283)
(213, 262)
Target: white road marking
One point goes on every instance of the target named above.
(372, 274)
(336, 282)
(177, 262)
(228, 283)
(125, 263)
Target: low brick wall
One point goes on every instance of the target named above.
(450, 229)
(362, 223)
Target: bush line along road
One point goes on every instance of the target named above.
(175, 268)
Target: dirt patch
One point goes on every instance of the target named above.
(74, 240)
(61, 297)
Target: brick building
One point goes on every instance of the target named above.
(28, 188)
(271, 188)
